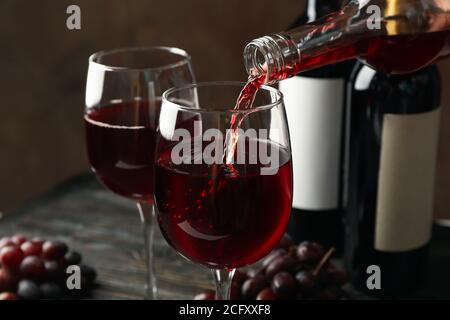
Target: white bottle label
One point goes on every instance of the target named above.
(314, 110)
(406, 181)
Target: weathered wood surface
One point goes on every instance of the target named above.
(106, 229)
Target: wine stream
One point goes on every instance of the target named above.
(244, 102)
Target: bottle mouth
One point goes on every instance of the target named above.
(255, 60)
(270, 56)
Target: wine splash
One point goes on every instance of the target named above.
(244, 102)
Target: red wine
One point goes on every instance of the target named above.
(244, 102)
(120, 141)
(394, 123)
(219, 216)
(389, 54)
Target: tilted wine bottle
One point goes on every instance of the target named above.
(393, 36)
(315, 103)
(394, 129)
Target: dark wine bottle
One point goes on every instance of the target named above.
(394, 128)
(315, 103)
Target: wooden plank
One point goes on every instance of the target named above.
(106, 229)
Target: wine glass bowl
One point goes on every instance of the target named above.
(123, 99)
(219, 211)
(123, 93)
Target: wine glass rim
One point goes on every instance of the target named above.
(278, 100)
(186, 58)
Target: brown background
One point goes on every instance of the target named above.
(43, 68)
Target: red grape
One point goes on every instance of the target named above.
(8, 280)
(282, 263)
(284, 284)
(252, 286)
(28, 290)
(30, 248)
(272, 256)
(74, 258)
(53, 250)
(309, 252)
(307, 281)
(267, 294)
(18, 239)
(38, 241)
(5, 241)
(289, 272)
(53, 270)
(8, 296)
(205, 295)
(253, 272)
(286, 242)
(11, 257)
(32, 267)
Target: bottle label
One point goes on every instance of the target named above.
(406, 181)
(314, 109)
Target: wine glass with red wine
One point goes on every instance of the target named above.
(123, 99)
(223, 176)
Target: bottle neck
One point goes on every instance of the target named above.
(282, 55)
(354, 32)
(274, 56)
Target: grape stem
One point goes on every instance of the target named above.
(322, 262)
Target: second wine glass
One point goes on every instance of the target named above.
(221, 205)
(123, 98)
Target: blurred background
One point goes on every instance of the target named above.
(43, 69)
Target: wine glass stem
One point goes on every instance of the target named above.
(147, 213)
(222, 279)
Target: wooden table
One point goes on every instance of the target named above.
(106, 229)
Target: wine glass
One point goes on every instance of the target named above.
(219, 211)
(123, 98)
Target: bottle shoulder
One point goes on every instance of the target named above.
(398, 94)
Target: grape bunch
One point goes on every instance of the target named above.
(289, 272)
(33, 269)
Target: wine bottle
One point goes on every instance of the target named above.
(314, 102)
(393, 36)
(394, 129)
(442, 205)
